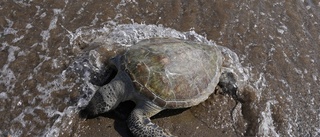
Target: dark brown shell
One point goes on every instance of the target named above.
(174, 73)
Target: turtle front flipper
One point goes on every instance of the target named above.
(106, 98)
(140, 124)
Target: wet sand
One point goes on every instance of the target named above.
(278, 41)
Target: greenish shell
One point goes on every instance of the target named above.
(174, 73)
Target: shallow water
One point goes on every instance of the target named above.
(46, 65)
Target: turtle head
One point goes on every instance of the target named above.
(108, 96)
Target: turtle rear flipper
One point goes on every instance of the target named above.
(140, 124)
(227, 83)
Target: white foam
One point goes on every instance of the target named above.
(17, 39)
(8, 76)
(267, 128)
(29, 26)
(315, 76)
(60, 124)
(9, 30)
(260, 84)
(3, 95)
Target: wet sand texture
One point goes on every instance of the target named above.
(277, 41)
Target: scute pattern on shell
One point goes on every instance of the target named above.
(173, 73)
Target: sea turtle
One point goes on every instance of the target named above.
(158, 74)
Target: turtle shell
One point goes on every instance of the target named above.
(174, 73)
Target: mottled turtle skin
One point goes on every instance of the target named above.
(158, 74)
